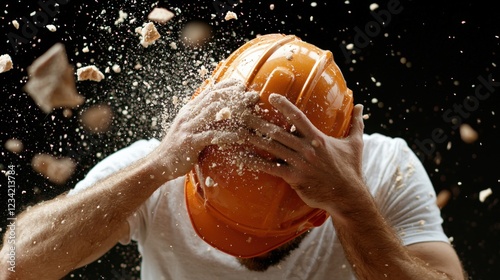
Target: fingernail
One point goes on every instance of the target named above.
(273, 96)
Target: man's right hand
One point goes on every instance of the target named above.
(197, 125)
(93, 220)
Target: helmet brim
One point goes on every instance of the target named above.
(225, 237)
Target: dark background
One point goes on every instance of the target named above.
(447, 49)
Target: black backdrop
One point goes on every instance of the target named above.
(416, 75)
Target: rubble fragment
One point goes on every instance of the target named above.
(484, 194)
(97, 119)
(14, 145)
(116, 68)
(122, 16)
(51, 81)
(51, 27)
(196, 34)
(443, 197)
(56, 170)
(223, 114)
(149, 34)
(5, 63)
(15, 23)
(160, 15)
(468, 134)
(230, 15)
(90, 72)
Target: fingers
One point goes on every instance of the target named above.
(229, 82)
(303, 124)
(215, 137)
(275, 132)
(225, 89)
(265, 166)
(274, 147)
(293, 114)
(229, 95)
(295, 117)
(357, 124)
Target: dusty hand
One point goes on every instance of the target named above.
(322, 169)
(198, 124)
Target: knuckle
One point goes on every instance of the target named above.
(295, 117)
(309, 154)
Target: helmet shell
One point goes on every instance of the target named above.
(247, 213)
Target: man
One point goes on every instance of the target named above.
(381, 218)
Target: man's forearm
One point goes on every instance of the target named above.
(373, 248)
(54, 237)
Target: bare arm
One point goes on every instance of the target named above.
(57, 236)
(375, 251)
(327, 173)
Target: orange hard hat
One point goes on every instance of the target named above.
(246, 213)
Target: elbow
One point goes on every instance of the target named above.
(15, 266)
(8, 267)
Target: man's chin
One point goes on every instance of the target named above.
(259, 263)
(273, 257)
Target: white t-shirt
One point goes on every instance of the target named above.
(170, 248)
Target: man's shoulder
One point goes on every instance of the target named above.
(129, 154)
(379, 138)
(379, 142)
(383, 153)
(116, 161)
(142, 144)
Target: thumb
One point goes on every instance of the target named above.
(357, 125)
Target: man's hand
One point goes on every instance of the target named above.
(199, 124)
(92, 221)
(327, 173)
(317, 166)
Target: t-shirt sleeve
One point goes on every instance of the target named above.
(407, 198)
(114, 163)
